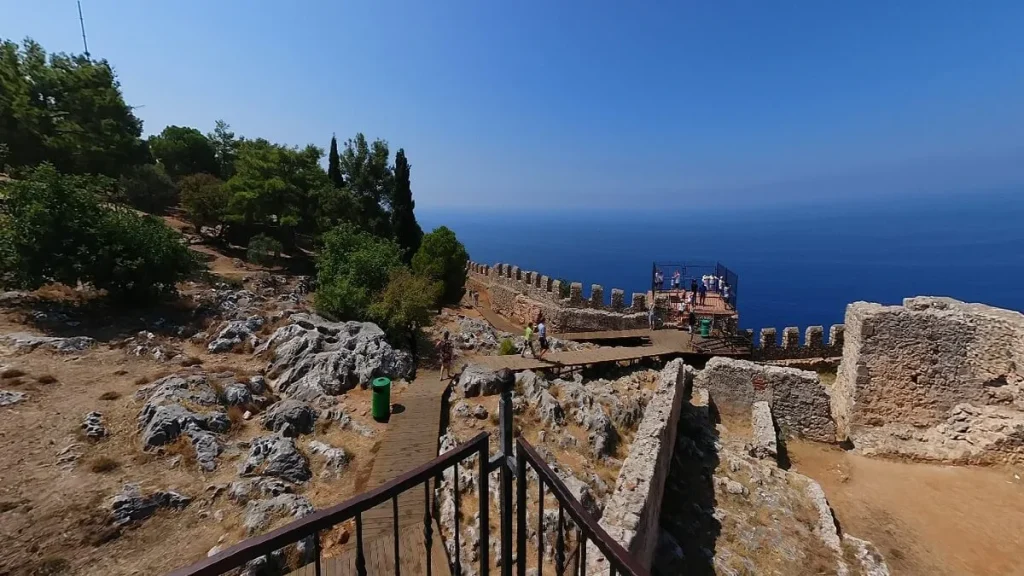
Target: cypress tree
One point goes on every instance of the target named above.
(334, 165)
(403, 220)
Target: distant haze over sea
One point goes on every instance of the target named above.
(798, 265)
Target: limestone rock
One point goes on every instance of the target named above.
(9, 397)
(259, 513)
(477, 380)
(290, 416)
(602, 434)
(871, 561)
(24, 342)
(235, 332)
(93, 426)
(480, 413)
(276, 456)
(548, 409)
(237, 394)
(530, 383)
(312, 357)
(162, 424)
(765, 441)
(241, 491)
(130, 505)
(335, 459)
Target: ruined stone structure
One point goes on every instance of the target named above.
(797, 398)
(521, 295)
(766, 346)
(933, 378)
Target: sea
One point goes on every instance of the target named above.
(797, 264)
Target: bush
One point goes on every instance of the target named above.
(443, 258)
(507, 347)
(205, 200)
(263, 250)
(148, 188)
(138, 257)
(352, 267)
(406, 301)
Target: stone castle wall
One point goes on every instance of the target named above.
(767, 346)
(913, 364)
(797, 398)
(521, 295)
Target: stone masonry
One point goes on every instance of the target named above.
(797, 398)
(632, 512)
(522, 296)
(943, 376)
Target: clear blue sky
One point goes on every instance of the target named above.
(554, 103)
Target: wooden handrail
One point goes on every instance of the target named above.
(237, 555)
(620, 559)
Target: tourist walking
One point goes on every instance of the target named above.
(446, 351)
(693, 285)
(703, 293)
(542, 336)
(650, 315)
(528, 341)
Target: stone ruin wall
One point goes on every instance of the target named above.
(632, 513)
(912, 364)
(797, 398)
(767, 347)
(521, 295)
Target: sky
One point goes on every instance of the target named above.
(553, 104)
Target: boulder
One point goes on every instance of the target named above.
(549, 410)
(235, 333)
(93, 426)
(130, 505)
(312, 357)
(237, 394)
(276, 456)
(241, 491)
(478, 380)
(24, 342)
(259, 513)
(335, 459)
(602, 436)
(206, 448)
(480, 413)
(530, 383)
(290, 417)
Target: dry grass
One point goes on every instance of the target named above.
(121, 372)
(103, 464)
(236, 416)
(51, 566)
(14, 382)
(192, 361)
(141, 381)
(46, 379)
(110, 395)
(12, 373)
(323, 425)
(243, 347)
(182, 447)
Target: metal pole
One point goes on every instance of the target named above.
(505, 421)
(81, 22)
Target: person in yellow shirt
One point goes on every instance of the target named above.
(528, 341)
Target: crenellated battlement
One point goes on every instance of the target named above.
(767, 345)
(523, 294)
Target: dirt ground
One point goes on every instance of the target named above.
(926, 519)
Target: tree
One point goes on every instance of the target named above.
(334, 165)
(369, 178)
(404, 303)
(182, 151)
(443, 258)
(225, 148)
(148, 188)
(403, 219)
(205, 200)
(353, 266)
(66, 110)
(263, 250)
(273, 187)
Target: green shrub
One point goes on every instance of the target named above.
(406, 301)
(263, 250)
(205, 200)
(148, 188)
(443, 258)
(507, 347)
(352, 267)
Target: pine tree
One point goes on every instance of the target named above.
(334, 165)
(403, 220)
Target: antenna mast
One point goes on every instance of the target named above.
(81, 21)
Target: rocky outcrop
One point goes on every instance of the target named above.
(290, 417)
(276, 456)
(93, 426)
(241, 491)
(313, 357)
(798, 400)
(235, 333)
(477, 380)
(335, 459)
(130, 505)
(905, 369)
(25, 342)
(10, 398)
(260, 513)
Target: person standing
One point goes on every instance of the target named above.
(446, 351)
(675, 280)
(650, 315)
(692, 322)
(528, 340)
(542, 336)
(703, 291)
(659, 279)
(726, 294)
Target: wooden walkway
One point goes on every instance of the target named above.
(578, 358)
(605, 335)
(410, 440)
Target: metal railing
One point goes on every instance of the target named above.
(586, 527)
(309, 527)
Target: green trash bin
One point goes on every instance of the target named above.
(381, 402)
(705, 327)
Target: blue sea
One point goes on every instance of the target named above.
(797, 265)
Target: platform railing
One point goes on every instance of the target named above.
(306, 532)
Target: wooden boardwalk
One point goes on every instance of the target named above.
(605, 335)
(517, 363)
(410, 440)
